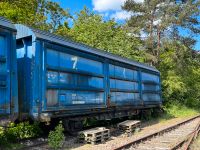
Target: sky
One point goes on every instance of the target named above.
(107, 8)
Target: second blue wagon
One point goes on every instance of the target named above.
(8, 72)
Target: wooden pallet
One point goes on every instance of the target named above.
(95, 135)
(129, 126)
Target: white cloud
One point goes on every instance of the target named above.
(121, 15)
(139, 1)
(106, 5)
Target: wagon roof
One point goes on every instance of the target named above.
(24, 31)
(5, 23)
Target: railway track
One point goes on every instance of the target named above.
(178, 136)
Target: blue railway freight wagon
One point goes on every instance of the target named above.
(8, 72)
(59, 78)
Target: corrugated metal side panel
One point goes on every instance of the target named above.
(24, 84)
(24, 63)
(8, 75)
(14, 79)
(8, 68)
(151, 90)
(124, 86)
(73, 82)
(5, 53)
(80, 47)
(36, 73)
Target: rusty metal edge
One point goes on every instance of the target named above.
(144, 138)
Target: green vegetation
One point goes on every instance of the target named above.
(170, 111)
(56, 138)
(2, 135)
(22, 130)
(91, 29)
(42, 14)
(159, 20)
(177, 111)
(180, 111)
(15, 132)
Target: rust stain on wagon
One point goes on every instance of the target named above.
(109, 103)
(52, 97)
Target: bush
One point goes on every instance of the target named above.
(2, 136)
(20, 131)
(56, 138)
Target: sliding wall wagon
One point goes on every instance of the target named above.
(59, 78)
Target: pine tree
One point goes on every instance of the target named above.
(157, 18)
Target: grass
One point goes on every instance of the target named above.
(176, 111)
(179, 111)
(170, 112)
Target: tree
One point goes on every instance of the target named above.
(180, 74)
(42, 14)
(57, 15)
(90, 29)
(156, 18)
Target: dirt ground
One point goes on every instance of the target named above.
(116, 140)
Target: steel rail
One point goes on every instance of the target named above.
(162, 131)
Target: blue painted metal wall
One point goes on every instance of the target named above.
(151, 90)
(124, 85)
(8, 70)
(24, 61)
(55, 77)
(73, 80)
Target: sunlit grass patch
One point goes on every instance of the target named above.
(180, 111)
(176, 111)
